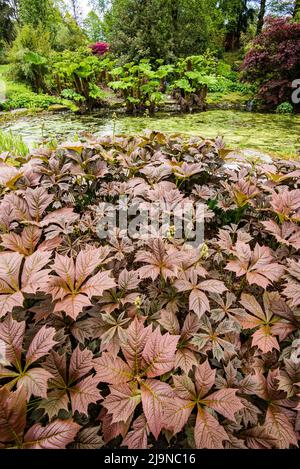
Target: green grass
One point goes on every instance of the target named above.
(19, 96)
(229, 97)
(233, 58)
(13, 144)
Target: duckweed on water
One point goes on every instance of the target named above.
(270, 133)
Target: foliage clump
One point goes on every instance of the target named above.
(273, 61)
(144, 341)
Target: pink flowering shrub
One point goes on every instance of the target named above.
(99, 48)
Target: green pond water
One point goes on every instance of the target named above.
(269, 133)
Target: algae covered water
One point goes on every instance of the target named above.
(269, 133)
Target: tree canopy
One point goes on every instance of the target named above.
(182, 27)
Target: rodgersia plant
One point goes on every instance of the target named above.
(134, 340)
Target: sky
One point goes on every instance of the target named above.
(84, 6)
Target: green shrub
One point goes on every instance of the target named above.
(68, 93)
(77, 75)
(285, 108)
(224, 69)
(29, 56)
(206, 64)
(30, 100)
(67, 35)
(141, 86)
(85, 79)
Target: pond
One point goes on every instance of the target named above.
(270, 133)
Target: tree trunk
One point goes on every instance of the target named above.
(233, 41)
(75, 11)
(261, 16)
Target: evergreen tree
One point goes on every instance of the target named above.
(100, 6)
(296, 12)
(162, 28)
(261, 16)
(281, 7)
(93, 27)
(237, 15)
(6, 21)
(34, 12)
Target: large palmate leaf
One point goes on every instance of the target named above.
(134, 344)
(225, 307)
(23, 244)
(12, 415)
(288, 233)
(122, 401)
(137, 438)
(74, 385)
(148, 354)
(160, 260)
(258, 266)
(112, 331)
(267, 324)
(33, 380)
(73, 287)
(286, 204)
(243, 191)
(227, 236)
(185, 170)
(208, 431)
(214, 338)
(31, 206)
(18, 277)
(88, 438)
(56, 435)
(292, 286)
(154, 396)
(159, 353)
(198, 301)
